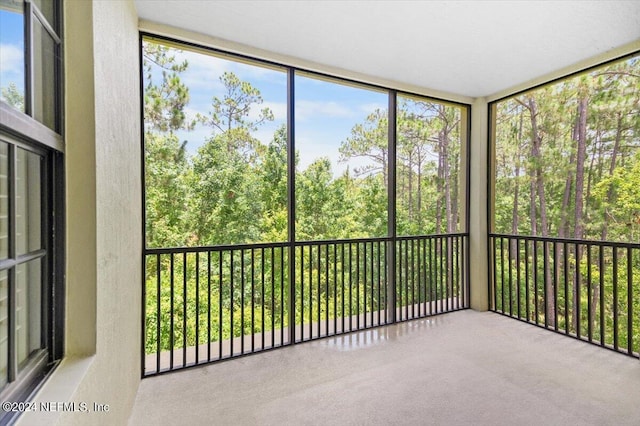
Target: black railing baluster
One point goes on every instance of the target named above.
(589, 290)
(350, 287)
(220, 313)
(565, 270)
(510, 279)
(378, 263)
(242, 301)
(364, 282)
(327, 295)
(171, 313)
(518, 278)
(335, 288)
(423, 279)
(374, 274)
(432, 282)
(253, 298)
(209, 306)
(292, 304)
(602, 273)
(232, 307)
(197, 343)
(273, 296)
(399, 290)
(319, 293)
(629, 301)
(158, 311)
(456, 272)
(184, 309)
(358, 286)
(545, 282)
(406, 280)
(615, 298)
(302, 301)
(441, 273)
(555, 285)
(310, 292)
(413, 280)
(262, 329)
(342, 264)
(493, 285)
(446, 271)
(385, 295)
(527, 294)
(502, 291)
(535, 282)
(577, 308)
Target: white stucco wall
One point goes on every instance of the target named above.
(104, 216)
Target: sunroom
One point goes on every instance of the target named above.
(340, 190)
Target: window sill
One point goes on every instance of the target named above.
(60, 387)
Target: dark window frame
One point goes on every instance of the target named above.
(20, 130)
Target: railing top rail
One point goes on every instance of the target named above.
(249, 246)
(224, 247)
(342, 241)
(619, 244)
(432, 236)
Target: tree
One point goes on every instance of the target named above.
(226, 195)
(13, 96)
(166, 160)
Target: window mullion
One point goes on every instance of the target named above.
(391, 206)
(12, 332)
(29, 99)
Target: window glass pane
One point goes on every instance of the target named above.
(44, 79)
(28, 309)
(47, 7)
(567, 157)
(342, 160)
(428, 178)
(12, 85)
(4, 327)
(215, 149)
(28, 200)
(4, 200)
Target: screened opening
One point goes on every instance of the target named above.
(271, 198)
(565, 213)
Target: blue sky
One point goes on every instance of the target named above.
(11, 49)
(325, 111)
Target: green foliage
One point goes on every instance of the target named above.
(234, 190)
(12, 95)
(567, 164)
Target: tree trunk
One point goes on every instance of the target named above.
(581, 140)
(536, 142)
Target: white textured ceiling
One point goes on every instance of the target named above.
(470, 48)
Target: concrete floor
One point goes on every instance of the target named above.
(460, 368)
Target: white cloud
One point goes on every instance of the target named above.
(11, 59)
(279, 110)
(310, 109)
(371, 107)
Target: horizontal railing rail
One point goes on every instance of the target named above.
(206, 304)
(586, 289)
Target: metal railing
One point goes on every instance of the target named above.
(431, 275)
(589, 290)
(207, 304)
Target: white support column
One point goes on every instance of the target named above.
(478, 259)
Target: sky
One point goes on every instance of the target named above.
(11, 49)
(325, 111)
